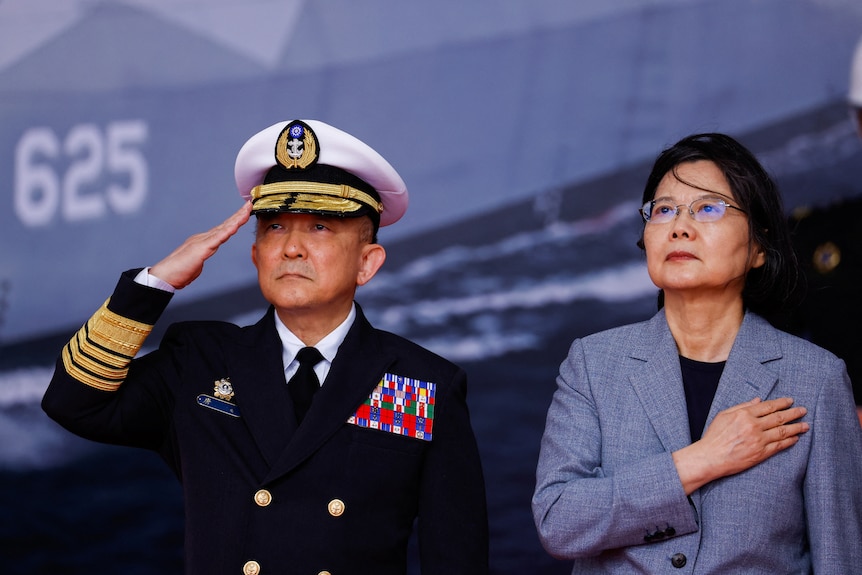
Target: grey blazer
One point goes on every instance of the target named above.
(608, 495)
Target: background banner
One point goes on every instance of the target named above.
(523, 129)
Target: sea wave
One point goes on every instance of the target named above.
(23, 386)
(30, 439)
(813, 150)
(465, 257)
(629, 281)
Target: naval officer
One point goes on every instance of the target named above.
(310, 442)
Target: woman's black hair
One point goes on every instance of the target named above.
(771, 289)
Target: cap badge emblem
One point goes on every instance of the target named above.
(223, 389)
(296, 147)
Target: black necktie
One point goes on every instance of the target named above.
(304, 383)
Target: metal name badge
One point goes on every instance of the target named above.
(218, 404)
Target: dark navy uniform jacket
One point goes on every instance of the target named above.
(263, 495)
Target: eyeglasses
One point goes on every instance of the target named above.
(701, 210)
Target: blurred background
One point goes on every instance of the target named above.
(524, 129)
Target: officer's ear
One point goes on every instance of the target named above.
(372, 258)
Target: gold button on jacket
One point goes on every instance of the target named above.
(263, 497)
(336, 507)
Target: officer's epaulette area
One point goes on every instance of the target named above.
(100, 353)
(399, 405)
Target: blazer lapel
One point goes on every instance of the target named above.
(356, 371)
(657, 379)
(745, 375)
(261, 391)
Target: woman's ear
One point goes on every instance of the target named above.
(758, 257)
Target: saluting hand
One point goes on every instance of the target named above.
(186, 262)
(738, 438)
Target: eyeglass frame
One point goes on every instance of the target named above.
(651, 203)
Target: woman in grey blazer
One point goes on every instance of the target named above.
(705, 440)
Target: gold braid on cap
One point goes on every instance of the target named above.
(100, 353)
(339, 198)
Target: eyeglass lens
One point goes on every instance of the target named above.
(702, 210)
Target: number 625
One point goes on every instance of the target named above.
(41, 193)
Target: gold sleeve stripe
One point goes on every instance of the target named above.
(91, 358)
(100, 353)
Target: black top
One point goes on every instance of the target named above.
(700, 380)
